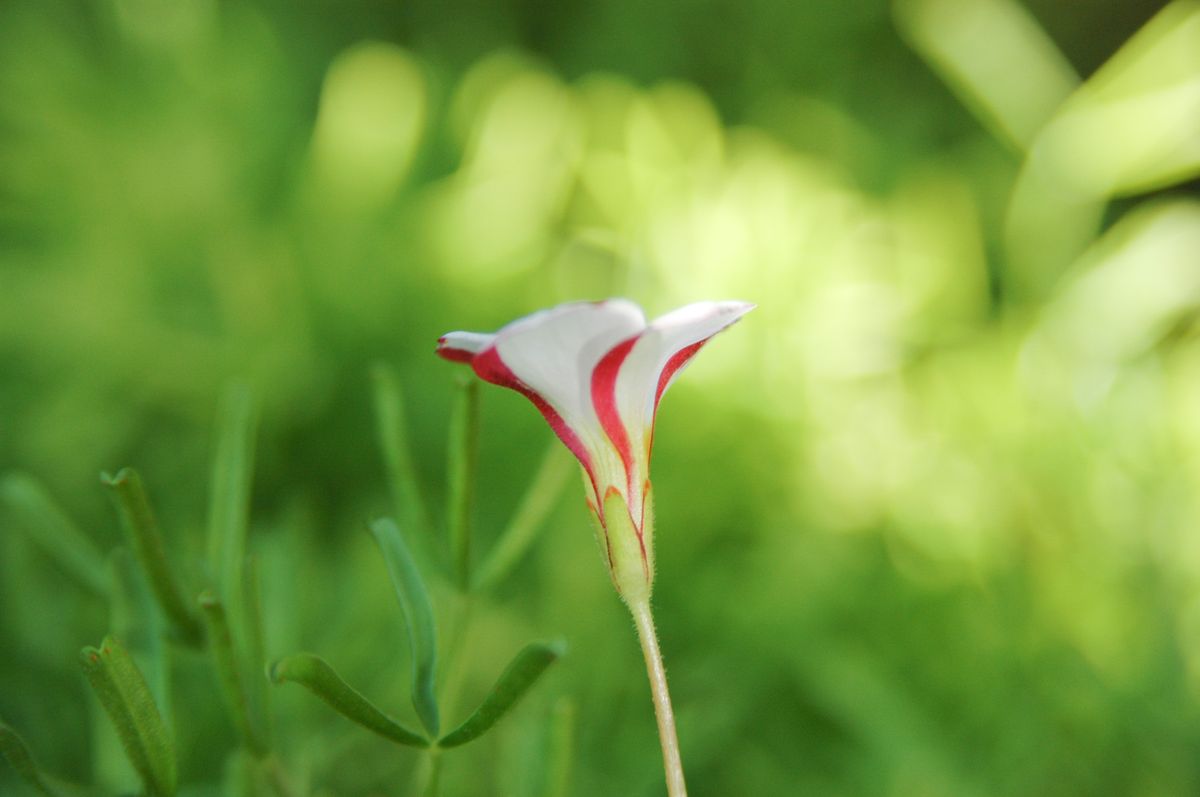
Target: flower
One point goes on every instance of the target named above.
(597, 372)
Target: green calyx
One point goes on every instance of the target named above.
(629, 554)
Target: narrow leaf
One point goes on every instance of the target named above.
(407, 495)
(418, 616)
(256, 657)
(225, 660)
(462, 462)
(539, 500)
(319, 677)
(136, 621)
(142, 531)
(229, 500)
(50, 528)
(521, 674)
(14, 751)
(126, 699)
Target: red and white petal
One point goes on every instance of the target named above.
(629, 381)
(461, 347)
(549, 357)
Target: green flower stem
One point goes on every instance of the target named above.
(662, 698)
(456, 660)
(429, 774)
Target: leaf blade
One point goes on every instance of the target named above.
(225, 660)
(462, 461)
(14, 750)
(520, 675)
(392, 430)
(53, 531)
(319, 677)
(418, 616)
(126, 699)
(145, 537)
(528, 519)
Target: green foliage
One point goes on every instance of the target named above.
(517, 678)
(418, 619)
(925, 525)
(126, 698)
(317, 676)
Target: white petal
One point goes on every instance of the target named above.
(555, 351)
(649, 368)
(552, 354)
(461, 346)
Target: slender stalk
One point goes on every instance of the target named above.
(662, 698)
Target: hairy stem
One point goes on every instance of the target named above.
(662, 698)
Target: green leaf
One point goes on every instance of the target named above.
(418, 616)
(229, 500)
(407, 495)
(14, 751)
(142, 531)
(521, 674)
(319, 677)
(50, 528)
(537, 503)
(462, 462)
(136, 621)
(126, 699)
(256, 657)
(225, 659)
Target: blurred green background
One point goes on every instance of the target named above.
(927, 519)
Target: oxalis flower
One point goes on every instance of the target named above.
(597, 372)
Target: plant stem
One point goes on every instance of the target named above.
(662, 698)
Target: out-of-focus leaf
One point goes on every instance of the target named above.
(14, 751)
(463, 458)
(136, 621)
(521, 674)
(126, 699)
(535, 506)
(1134, 125)
(418, 617)
(229, 499)
(142, 531)
(256, 657)
(225, 660)
(561, 751)
(996, 57)
(407, 495)
(319, 677)
(49, 527)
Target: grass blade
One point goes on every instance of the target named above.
(462, 461)
(418, 616)
(521, 674)
(126, 699)
(256, 656)
(537, 503)
(142, 531)
(315, 674)
(14, 751)
(225, 659)
(50, 528)
(407, 495)
(229, 501)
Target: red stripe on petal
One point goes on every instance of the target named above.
(604, 398)
(491, 368)
(677, 361)
(452, 354)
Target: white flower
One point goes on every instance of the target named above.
(597, 371)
